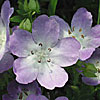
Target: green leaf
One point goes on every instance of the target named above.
(20, 4)
(88, 73)
(17, 19)
(26, 25)
(52, 7)
(26, 5)
(37, 7)
(20, 12)
(90, 67)
(32, 5)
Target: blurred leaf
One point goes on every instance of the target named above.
(37, 7)
(20, 4)
(89, 70)
(32, 5)
(26, 5)
(26, 25)
(52, 7)
(91, 67)
(16, 19)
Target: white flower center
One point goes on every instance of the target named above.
(2, 38)
(41, 54)
(79, 35)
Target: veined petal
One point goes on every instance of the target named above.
(6, 62)
(35, 97)
(45, 30)
(64, 27)
(66, 52)
(7, 97)
(6, 12)
(13, 89)
(51, 76)
(86, 53)
(21, 43)
(82, 19)
(95, 31)
(61, 98)
(26, 69)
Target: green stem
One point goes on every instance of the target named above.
(98, 13)
(52, 7)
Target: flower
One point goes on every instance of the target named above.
(6, 59)
(41, 97)
(42, 55)
(61, 98)
(89, 37)
(18, 91)
(95, 59)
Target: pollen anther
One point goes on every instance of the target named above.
(39, 61)
(73, 36)
(49, 60)
(69, 32)
(40, 44)
(82, 36)
(73, 29)
(80, 30)
(49, 49)
(32, 52)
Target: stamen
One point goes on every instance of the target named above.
(49, 60)
(40, 44)
(98, 70)
(39, 61)
(49, 49)
(80, 30)
(32, 52)
(20, 96)
(82, 36)
(97, 62)
(69, 32)
(73, 36)
(73, 29)
(26, 93)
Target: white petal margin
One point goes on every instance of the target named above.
(25, 69)
(51, 76)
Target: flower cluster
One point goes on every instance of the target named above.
(44, 53)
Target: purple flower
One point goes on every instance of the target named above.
(6, 60)
(42, 55)
(95, 59)
(41, 97)
(89, 37)
(21, 92)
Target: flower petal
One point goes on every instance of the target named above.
(86, 53)
(91, 81)
(13, 89)
(32, 87)
(51, 76)
(25, 69)
(45, 30)
(21, 43)
(7, 97)
(6, 62)
(6, 12)
(82, 19)
(64, 27)
(66, 52)
(40, 97)
(61, 98)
